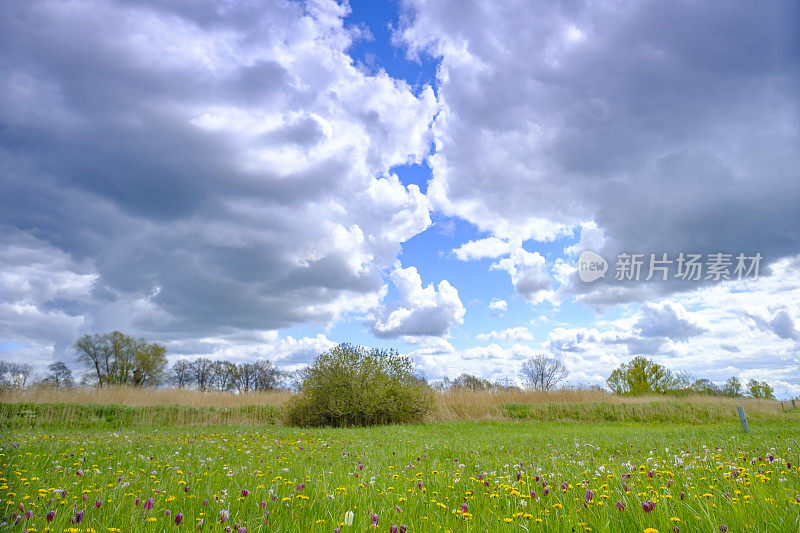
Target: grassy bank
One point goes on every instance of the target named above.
(87, 416)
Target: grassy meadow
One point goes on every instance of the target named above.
(504, 461)
(444, 476)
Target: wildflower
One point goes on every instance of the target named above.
(546, 491)
(419, 485)
(78, 518)
(85, 497)
(149, 503)
(178, 518)
(788, 465)
(242, 530)
(402, 528)
(98, 504)
(564, 485)
(650, 474)
(619, 505)
(79, 473)
(589, 496)
(723, 528)
(300, 487)
(186, 489)
(223, 515)
(137, 502)
(374, 519)
(28, 514)
(244, 493)
(464, 507)
(263, 504)
(50, 516)
(648, 506)
(348, 518)
(205, 502)
(393, 529)
(168, 513)
(533, 495)
(683, 495)
(200, 524)
(337, 530)
(625, 487)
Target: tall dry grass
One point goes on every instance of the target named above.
(129, 406)
(133, 396)
(492, 405)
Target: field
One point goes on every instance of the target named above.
(440, 476)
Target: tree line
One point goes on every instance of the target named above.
(118, 359)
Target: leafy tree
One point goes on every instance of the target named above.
(641, 376)
(118, 359)
(60, 375)
(733, 388)
(705, 386)
(354, 386)
(543, 373)
(760, 389)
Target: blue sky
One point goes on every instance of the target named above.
(269, 180)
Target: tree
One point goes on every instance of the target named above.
(641, 376)
(202, 372)
(705, 386)
(471, 383)
(180, 374)
(14, 374)
(732, 388)
(760, 390)
(60, 375)
(118, 359)
(543, 373)
(149, 364)
(267, 375)
(224, 375)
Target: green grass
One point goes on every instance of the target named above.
(80, 416)
(378, 470)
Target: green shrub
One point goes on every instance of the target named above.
(354, 386)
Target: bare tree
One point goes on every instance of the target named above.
(14, 374)
(267, 375)
(180, 374)
(60, 375)
(224, 377)
(202, 372)
(543, 372)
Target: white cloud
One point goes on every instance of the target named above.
(529, 275)
(520, 333)
(482, 248)
(420, 311)
(498, 304)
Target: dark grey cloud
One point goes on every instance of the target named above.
(780, 322)
(667, 321)
(201, 169)
(673, 126)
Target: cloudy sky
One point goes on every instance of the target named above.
(250, 179)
